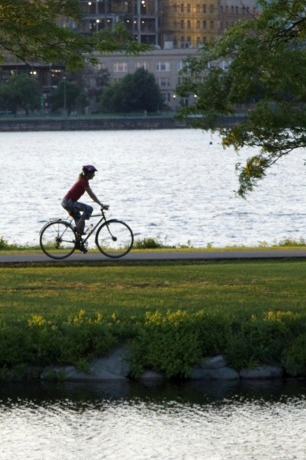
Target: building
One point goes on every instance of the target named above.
(176, 29)
(141, 17)
(167, 23)
(163, 64)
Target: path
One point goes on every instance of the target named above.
(160, 255)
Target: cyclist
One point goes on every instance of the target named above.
(81, 211)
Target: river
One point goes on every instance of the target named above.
(192, 421)
(177, 186)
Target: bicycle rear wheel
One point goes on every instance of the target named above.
(114, 238)
(57, 239)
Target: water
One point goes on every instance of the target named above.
(194, 421)
(178, 186)
(173, 185)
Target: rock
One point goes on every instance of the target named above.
(113, 363)
(69, 373)
(262, 372)
(151, 375)
(222, 373)
(112, 367)
(213, 363)
(296, 373)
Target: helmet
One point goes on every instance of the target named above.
(89, 169)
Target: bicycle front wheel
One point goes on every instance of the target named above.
(114, 238)
(57, 239)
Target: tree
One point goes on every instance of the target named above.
(20, 92)
(263, 61)
(31, 30)
(66, 95)
(91, 80)
(134, 93)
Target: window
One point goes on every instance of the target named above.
(141, 65)
(188, 24)
(182, 7)
(204, 8)
(167, 97)
(182, 24)
(188, 8)
(204, 24)
(163, 66)
(120, 67)
(164, 82)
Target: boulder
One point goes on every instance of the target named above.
(111, 367)
(214, 362)
(222, 373)
(262, 372)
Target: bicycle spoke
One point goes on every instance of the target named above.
(57, 240)
(114, 239)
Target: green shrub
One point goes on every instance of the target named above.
(259, 341)
(148, 243)
(213, 332)
(168, 343)
(3, 243)
(43, 342)
(15, 346)
(294, 355)
(171, 342)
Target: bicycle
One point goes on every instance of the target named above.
(59, 239)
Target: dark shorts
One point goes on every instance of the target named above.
(77, 209)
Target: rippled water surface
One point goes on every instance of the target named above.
(197, 421)
(175, 185)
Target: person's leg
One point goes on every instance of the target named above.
(70, 207)
(86, 213)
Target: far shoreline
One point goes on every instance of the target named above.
(96, 123)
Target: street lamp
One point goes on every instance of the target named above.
(174, 100)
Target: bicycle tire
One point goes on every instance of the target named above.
(114, 239)
(57, 239)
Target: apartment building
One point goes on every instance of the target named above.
(164, 64)
(181, 29)
(167, 23)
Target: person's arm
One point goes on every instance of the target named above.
(95, 198)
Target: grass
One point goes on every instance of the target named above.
(152, 243)
(132, 289)
(172, 313)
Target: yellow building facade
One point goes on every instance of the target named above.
(167, 23)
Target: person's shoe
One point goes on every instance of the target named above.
(80, 246)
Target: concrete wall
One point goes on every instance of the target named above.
(89, 124)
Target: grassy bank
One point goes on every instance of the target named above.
(171, 313)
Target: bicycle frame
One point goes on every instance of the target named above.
(86, 237)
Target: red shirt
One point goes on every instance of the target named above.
(77, 190)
